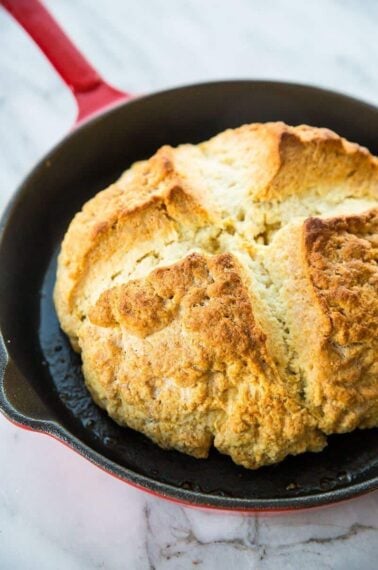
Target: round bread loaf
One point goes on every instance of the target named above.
(225, 293)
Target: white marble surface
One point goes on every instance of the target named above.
(56, 510)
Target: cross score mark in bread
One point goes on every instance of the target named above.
(226, 293)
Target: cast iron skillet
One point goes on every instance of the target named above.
(41, 383)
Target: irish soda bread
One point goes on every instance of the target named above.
(226, 293)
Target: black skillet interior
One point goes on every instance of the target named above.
(50, 385)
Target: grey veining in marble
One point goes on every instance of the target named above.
(56, 510)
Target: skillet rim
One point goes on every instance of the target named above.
(62, 434)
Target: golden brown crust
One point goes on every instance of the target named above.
(150, 201)
(190, 285)
(319, 157)
(202, 341)
(342, 258)
(280, 160)
(324, 292)
(210, 294)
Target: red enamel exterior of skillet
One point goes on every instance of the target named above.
(40, 380)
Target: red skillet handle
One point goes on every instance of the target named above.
(91, 92)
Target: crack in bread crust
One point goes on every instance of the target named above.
(192, 286)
